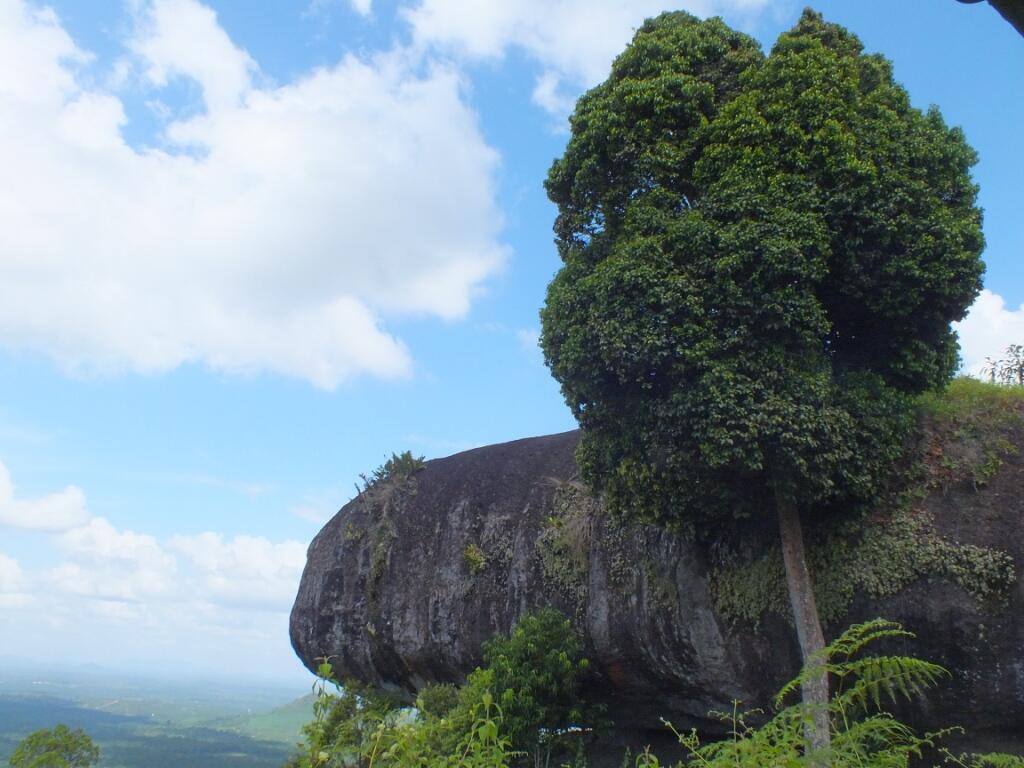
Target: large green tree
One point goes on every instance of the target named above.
(762, 257)
(59, 747)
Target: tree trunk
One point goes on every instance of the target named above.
(805, 615)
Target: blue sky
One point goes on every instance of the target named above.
(249, 248)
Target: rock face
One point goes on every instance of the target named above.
(404, 584)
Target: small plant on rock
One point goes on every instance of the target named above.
(400, 467)
(475, 558)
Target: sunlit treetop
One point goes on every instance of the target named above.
(762, 256)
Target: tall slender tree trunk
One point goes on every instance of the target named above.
(805, 615)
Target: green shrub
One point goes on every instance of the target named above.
(344, 719)
(537, 672)
(437, 700)
(400, 467)
(526, 696)
(524, 706)
(360, 728)
(971, 400)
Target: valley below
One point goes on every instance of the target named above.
(155, 723)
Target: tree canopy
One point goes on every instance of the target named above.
(59, 747)
(762, 258)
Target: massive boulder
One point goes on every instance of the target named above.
(403, 585)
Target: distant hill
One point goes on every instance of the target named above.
(136, 742)
(141, 723)
(282, 724)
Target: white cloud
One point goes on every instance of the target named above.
(11, 578)
(989, 328)
(113, 565)
(547, 94)
(322, 8)
(53, 512)
(12, 581)
(100, 540)
(246, 570)
(574, 41)
(274, 231)
(107, 565)
(182, 38)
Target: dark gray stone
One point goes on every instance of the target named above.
(389, 592)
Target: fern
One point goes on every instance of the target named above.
(879, 677)
(399, 468)
(863, 734)
(991, 760)
(872, 678)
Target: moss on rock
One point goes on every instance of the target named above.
(563, 544)
(963, 440)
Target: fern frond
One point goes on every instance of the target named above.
(872, 677)
(873, 732)
(810, 669)
(859, 636)
(990, 760)
(869, 680)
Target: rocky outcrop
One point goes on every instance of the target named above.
(404, 584)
